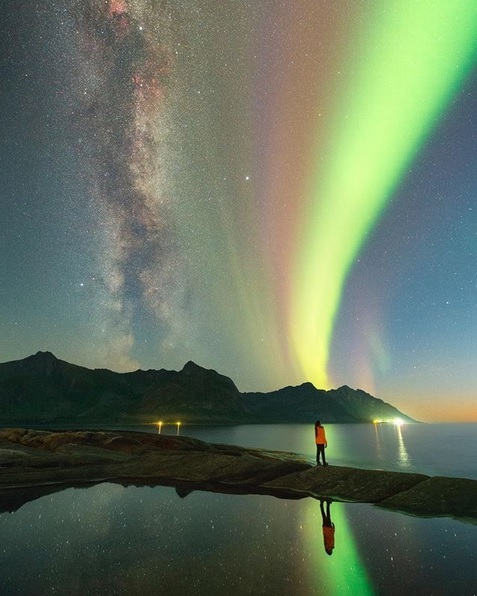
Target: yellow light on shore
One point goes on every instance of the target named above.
(178, 426)
(159, 427)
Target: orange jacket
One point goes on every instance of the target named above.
(329, 537)
(320, 437)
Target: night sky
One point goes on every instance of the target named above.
(281, 191)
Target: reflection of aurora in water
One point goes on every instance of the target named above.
(344, 573)
(114, 540)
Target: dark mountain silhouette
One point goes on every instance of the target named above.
(305, 403)
(42, 389)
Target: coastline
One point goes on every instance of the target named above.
(38, 462)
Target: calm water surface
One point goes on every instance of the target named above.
(434, 449)
(110, 539)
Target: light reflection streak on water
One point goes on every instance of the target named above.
(403, 455)
(343, 572)
(379, 449)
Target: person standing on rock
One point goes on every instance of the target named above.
(321, 443)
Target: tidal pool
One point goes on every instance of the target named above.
(110, 539)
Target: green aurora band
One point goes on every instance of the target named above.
(413, 57)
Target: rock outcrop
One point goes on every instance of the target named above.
(34, 463)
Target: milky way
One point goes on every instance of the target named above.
(122, 127)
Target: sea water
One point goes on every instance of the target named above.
(433, 449)
(110, 539)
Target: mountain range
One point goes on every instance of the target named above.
(41, 389)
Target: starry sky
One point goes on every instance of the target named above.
(281, 191)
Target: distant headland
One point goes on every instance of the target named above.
(42, 389)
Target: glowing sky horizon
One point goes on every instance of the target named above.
(281, 191)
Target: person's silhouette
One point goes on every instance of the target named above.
(328, 527)
(321, 443)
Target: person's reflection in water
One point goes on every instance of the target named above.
(328, 527)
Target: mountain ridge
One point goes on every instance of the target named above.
(42, 389)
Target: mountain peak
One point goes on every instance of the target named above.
(191, 366)
(48, 356)
(42, 363)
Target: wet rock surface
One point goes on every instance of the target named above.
(34, 463)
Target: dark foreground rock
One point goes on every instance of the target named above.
(34, 463)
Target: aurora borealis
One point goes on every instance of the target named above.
(281, 191)
(395, 89)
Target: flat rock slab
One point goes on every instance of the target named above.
(438, 496)
(349, 484)
(34, 463)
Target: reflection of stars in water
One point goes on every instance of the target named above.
(130, 540)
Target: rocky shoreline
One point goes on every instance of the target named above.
(34, 463)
